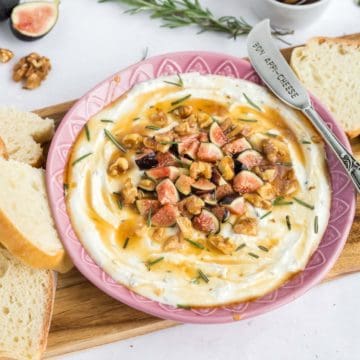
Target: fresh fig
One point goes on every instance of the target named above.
(203, 185)
(166, 159)
(221, 213)
(146, 161)
(250, 158)
(183, 184)
(157, 173)
(206, 222)
(144, 206)
(33, 20)
(246, 182)
(236, 146)
(165, 216)
(6, 7)
(223, 191)
(209, 152)
(216, 135)
(237, 206)
(167, 193)
(188, 148)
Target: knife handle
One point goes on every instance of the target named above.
(348, 161)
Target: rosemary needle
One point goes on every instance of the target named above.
(253, 255)
(81, 158)
(303, 203)
(126, 243)
(149, 218)
(152, 127)
(263, 248)
(203, 276)
(87, 132)
(178, 101)
(114, 141)
(196, 244)
(180, 82)
(240, 247)
(316, 224)
(288, 223)
(149, 264)
(250, 102)
(247, 120)
(106, 121)
(265, 215)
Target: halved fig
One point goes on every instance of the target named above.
(166, 159)
(236, 206)
(216, 177)
(224, 191)
(216, 135)
(203, 185)
(209, 152)
(165, 216)
(250, 158)
(158, 173)
(183, 184)
(221, 213)
(146, 161)
(206, 222)
(144, 206)
(166, 192)
(6, 7)
(236, 146)
(185, 161)
(188, 148)
(246, 182)
(33, 20)
(209, 199)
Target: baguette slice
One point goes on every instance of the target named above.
(23, 134)
(26, 303)
(26, 226)
(330, 68)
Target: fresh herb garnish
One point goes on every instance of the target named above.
(195, 243)
(65, 187)
(250, 102)
(247, 120)
(303, 203)
(152, 127)
(120, 204)
(265, 215)
(240, 247)
(169, 142)
(135, 119)
(263, 248)
(149, 264)
(253, 255)
(81, 158)
(149, 218)
(178, 101)
(288, 223)
(279, 201)
(306, 142)
(203, 276)
(126, 243)
(87, 132)
(180, 82)
(271, 134)
(186, 307)
(106, 121)
(114, 141)
(316, 224)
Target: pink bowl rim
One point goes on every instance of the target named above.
(184, 315)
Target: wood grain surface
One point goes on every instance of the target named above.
(85, 317)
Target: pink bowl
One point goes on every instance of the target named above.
(342, 208)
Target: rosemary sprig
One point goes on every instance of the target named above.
(81, 158)
(186, 307)
(263, 248)
(306, 142)
(180, 82)
(136, 119)
(126, 243)
(149, 264)
(180, 13)
(240, 247)
(152, 127)
(279, 201)
(87, 132)
(253, 255)
(316, 224)
(114, 141)
(248, 120)
(169, 142)
(149, 218)
(106, 121)
(196, 244)
(265, 215)
(203, 276)
(65, 187)
(270, 134)
(303, 203)
(288, 223)
(250, 102)
(179, 101)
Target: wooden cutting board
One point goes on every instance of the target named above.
(85, 317)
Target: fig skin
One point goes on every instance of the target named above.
(6, 7)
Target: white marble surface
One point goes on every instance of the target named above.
(92, 41)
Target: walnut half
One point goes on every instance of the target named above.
(6, 55)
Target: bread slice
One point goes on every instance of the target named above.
(26, 303)
(23, 134)
(26, 226)
(330, 68)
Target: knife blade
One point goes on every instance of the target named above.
(276, 73)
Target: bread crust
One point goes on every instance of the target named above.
(21, 248)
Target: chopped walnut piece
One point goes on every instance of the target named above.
(150, 142)
(225, 245)
(183, 111)
(200, 168)
(194, 205)
(204, 120)
(267, 173)
(129, 192)
(257, 201)
(158, 234)
(33, 69)
(132, 141)
(226, 125)
(6, 55)
(163, 142)
(276, 151)
(184, 128)
(118, 166)
(246, 226)
(173, 243)
(226, 167)
(159, 118)
(267, 192)
(185, 226)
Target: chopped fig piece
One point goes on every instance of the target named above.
(216, 135)
(188, 148)
(216, 177)
(256, 140)
(221, 213)
(276, 151)
(167, 193)
(166, 159)
(237, 206)
(209, 152)
(246, 182)
(185, 161)
(206, 222)
(246, 226)
(146, 161)
(257, 201)
(165, 216)
(236, 146)
(203, 185)
(225, 245)
(203, 137)
(183, 184)
(250, 158)
(157, 173)
(145, 205)
(181, 205)
(209, 199)
(223, 191)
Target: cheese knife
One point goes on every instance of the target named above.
(276, 73)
